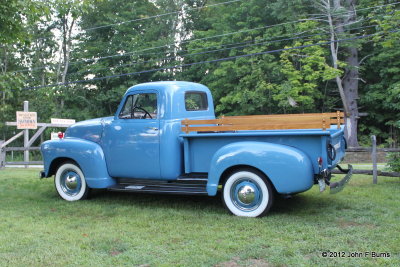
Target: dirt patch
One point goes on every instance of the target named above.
(115, 252)
(235, 262)
(231, 263)
(259, 263)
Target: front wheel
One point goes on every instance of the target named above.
(247, 193)
(70, 182)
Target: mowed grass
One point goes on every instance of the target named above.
(37, 228)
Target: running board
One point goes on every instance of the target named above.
(178, 187)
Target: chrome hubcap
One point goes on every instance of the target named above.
(246, 195)
(70, 182)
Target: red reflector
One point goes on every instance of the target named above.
(320, 161)
(60, 135)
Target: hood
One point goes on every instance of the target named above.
(91, 130)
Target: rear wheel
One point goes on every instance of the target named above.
(247, 193)
(70, 182)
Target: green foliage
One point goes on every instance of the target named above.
(394, 161)
(13, 14)
(381, 93)
(305, 69)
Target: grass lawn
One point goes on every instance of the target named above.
(37, 228)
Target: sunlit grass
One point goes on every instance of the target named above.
(119, 229)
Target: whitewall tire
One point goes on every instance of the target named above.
(247, 193)
(70, 182)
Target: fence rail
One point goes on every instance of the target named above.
(24, 163)
(369, 149)
(21, 148)
(371, 172)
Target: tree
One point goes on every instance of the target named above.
(339, 14)
(245, 85)
(381, 92)
(15, 15)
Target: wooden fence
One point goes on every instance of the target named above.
(373, 150)
(28, 142)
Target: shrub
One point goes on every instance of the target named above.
(394, 161)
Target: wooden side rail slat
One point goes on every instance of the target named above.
(331, 114)
(235, 121)
(265, 122)
(253, 127)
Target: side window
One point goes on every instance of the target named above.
(126, 110)
(196, 101)
(140, 106)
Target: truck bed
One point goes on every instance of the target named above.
(200, 148)
(310, 133)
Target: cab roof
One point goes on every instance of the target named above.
(169, 87)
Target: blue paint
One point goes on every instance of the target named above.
(132, 148)
(202, 147)
(113, 147)
(289, 169)
(89, 156)
(90, 130)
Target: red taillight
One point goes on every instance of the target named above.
(320, 161)
(60, 135)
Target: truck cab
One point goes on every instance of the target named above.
(146, 127)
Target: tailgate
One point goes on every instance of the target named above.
(336, 147)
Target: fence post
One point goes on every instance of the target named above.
(2, 155)
(26, 136)
(374, 161)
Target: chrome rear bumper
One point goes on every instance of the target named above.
(336, 187)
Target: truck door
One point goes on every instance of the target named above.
(131, 141)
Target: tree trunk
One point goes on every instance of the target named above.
(350, 82)
(65, 50)
(4, 67)
(348, 85)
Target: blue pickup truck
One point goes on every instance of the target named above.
(165, 138)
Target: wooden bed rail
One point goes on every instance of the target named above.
(265, 122)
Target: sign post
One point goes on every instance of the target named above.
(2, 155)
(26, 133)
(26, 120)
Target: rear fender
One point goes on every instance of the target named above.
(289, 169)
(88, 155)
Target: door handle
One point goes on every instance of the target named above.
(152, 128)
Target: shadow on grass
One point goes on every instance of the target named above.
(298, 204)
(154, 200)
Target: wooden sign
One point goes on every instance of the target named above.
(26, 120)
(62, 121)
(54, 136)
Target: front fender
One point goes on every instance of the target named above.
(289, 169)
(87, 154)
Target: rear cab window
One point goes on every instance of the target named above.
(196, 101)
